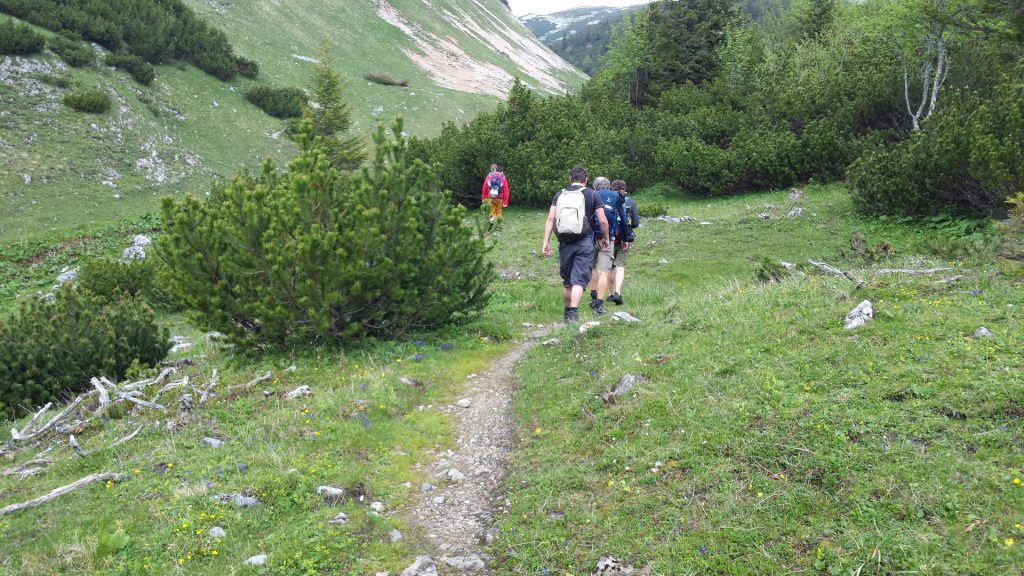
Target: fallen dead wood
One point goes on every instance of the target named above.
(57, 492)
(823, 267)
(18, 470)
(128, 437)
(206, 393)
(16, 435)
(101, 389)
(145, 404)
(266, 376)
(78, 449)
(53, 421)
(910, 271)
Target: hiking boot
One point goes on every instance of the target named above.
(616, 298)
(572, 316)
(593, 302)
(598, 307)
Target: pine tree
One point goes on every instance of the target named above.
(329, 115)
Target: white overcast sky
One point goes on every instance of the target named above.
(521, 7)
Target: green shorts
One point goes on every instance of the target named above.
(602, 258)
(621, 255)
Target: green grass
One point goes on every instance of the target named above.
(787, 444)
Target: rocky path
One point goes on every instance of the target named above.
(457, 504)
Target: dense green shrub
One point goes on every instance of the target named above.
(764, 158)
(247, 68)
(94, 101)
(157, 31)
(651, 209)
(967, 158)
(51, 348)
(113, 279)
(381, 78)
(279, 102)
(140, 70)
(75, 52)
(62, 80)
(698, 167)
(298, 257)
(19, 39)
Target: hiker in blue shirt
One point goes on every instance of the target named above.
(613, 207)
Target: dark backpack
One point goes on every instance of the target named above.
(494, 185)
(610, 199)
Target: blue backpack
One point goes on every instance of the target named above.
(612, 202)
(494, 186)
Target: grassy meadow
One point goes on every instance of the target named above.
(766, 439)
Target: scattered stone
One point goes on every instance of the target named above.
(652, 242)
(438, 500)
(339, 518)
(217, 532)
(257, 560)
(410, 382)
(626, 383)
(663, 261)
(423, 566)
(426, 487)
(552, 342)
(788, 265)
(377, 506)
(612, 566)
(764, 215)
(860, 315)
(527, 325)
(795, 194)
(395, 535)
(300, 392)
(705, 223)
(185, 403)
(588, 325)
(983, 333)
(137, 251)
(291, 368)
(67, 275)
(465, 563)
(330, 494)
(240, 500)
(179, 344)
(464, 403)
(268, 393)
(454, 475)
(624, 316)
(674, 219)
(796, 212)
(213, 442)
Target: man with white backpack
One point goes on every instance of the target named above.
(569, 218)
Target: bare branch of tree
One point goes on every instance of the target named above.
(57, 492)
(823, 267)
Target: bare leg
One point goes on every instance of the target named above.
(602, 285)
(575, 295)
(567, 296)
(620, 275)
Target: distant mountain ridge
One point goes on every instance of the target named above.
(579, 35)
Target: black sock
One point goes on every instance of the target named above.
(599, 301)
(593, 294)
(571, 309)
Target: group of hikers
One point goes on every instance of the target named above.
(594, 227)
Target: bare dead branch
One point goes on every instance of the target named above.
(57, 492)
(128, 437)
(33, 464)
(910, 271)
(78, 449)
(206, 393)
(266, 376)
(104, 396)
(53, 421)
(142, 403)
(15, 435)
(823, 267)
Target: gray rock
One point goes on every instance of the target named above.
(983, 333)
(330, 494)
(426, 487)
(625, 384)
(663, 261)
(464, 403)
(552, 342)
(395, 535)
(185, 403)
(438, 500)
(423, 566)
(795, 194)
(141, 240)
(67, 275)
(179, 344)
(796, 212)
(339, 518)
(257, 560)
(465, 563)
(213, 442)
(860, 315)
(133, 253)
(455, 475)
(377, 506)
(624, 316)
(612, 566)
(217, 532)
(240, 500)
(299, 392)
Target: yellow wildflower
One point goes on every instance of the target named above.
(213, 552)
(1016, 481)
(1008, 541)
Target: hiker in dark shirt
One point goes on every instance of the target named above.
(626, 233)
(569, 217)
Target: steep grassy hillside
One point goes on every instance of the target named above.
(67, 172)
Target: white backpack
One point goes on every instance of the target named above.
(571, 223)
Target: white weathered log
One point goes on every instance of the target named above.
(78, 449)
(35, 463)
(168, 387)
(144, 383)
(53, 421)
(823, 267)
(128, 437)
(143, 403)
(910, 271)
(57, 492)
(16, 435)
(206, 393)
(104, 396)
(266, 376)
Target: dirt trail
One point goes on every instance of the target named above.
(457, 514)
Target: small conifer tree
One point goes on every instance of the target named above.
(329, 115)
(285, 258)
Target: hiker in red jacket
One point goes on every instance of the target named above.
(495, 191)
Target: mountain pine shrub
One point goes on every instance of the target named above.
(277, 101)
(140, 70)
(969, 157)
(51, 348)
(112, 279)
(19, 39)
(305, 257)
(75, 52)
(93, 101)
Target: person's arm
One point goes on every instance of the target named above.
(483, 190)
(634, 215)
(602, 222)
(549, 225)
(504, 191)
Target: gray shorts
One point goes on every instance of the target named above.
(602, 258)
(620, 256)
(575, 262)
